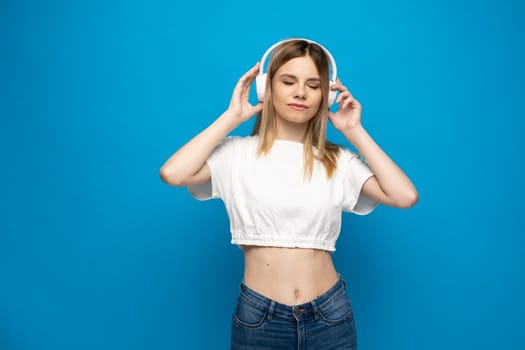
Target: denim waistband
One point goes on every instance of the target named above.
(306, 310)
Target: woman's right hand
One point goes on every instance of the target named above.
(240, 107)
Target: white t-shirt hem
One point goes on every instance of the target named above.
(285, 244)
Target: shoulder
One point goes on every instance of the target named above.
(347, 153)
(234, 142)
(344, 154)
(239, 140)
(233, 146)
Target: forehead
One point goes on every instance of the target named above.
(300, 67)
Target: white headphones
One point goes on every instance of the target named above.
(260, 80)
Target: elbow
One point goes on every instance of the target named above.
(169, 178)
(409, 200)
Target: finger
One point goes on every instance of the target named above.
(344, 99)
(253, 110)
(252, 73)
(243, 84)
(239, 89)
(352, 102)
(343, 95)
(335, 86)
(349, 100)
(338, 83)
(342, 89)
(258, 107)
(257, 65)
(248, 77)
(255, 69)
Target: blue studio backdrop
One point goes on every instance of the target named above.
(97, 253)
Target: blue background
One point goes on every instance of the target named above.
(97, 253)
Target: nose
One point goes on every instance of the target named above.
(300, 91)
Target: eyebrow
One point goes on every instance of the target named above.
(286, 75)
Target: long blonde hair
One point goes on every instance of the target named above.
(315, 145)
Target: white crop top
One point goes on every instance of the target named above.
(269, 202)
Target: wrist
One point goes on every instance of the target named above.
(230, 119)
(354, 134)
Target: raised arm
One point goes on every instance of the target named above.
(389, 185)
(187, 166)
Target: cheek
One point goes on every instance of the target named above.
(279, 96)
(278, 92)
(316, 107)
(318, 96)
(279, 107)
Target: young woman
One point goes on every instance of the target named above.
(284, 188)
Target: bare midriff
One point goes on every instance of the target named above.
(289, 276)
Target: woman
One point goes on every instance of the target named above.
(284, 188)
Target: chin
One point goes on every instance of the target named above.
(297, 120)
(297, 116)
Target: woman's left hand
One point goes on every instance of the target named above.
(348, 115)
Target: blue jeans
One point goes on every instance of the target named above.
(325, 323)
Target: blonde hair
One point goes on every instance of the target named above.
(315, 145)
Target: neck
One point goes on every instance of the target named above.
(290, 131)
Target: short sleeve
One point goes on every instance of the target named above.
(219, 162)
(355, 173)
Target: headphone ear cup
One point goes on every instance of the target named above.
(332, 94)
(260, 86)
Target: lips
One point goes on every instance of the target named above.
(297, 106)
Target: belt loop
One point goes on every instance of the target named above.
(270, 310)
(315, 309)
